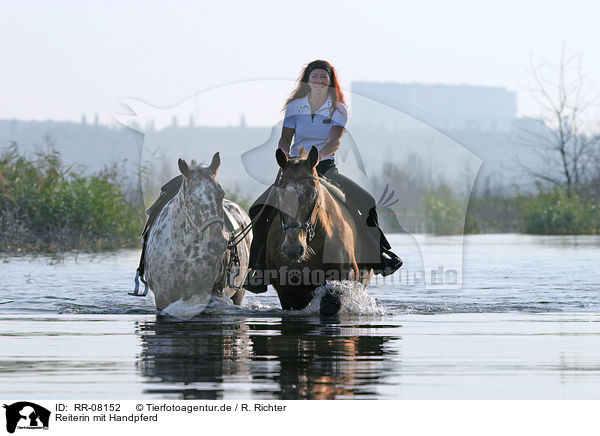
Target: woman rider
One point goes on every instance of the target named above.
(316, 115)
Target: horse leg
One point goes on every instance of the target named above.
(295, 299)
(238, 297)
(330, 304)
(354, 272)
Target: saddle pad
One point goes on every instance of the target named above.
(231, 224)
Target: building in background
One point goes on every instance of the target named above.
(444, 107)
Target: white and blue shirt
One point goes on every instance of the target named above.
(313, 131)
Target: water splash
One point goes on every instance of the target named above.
(215, 304)
(186, 309)
(354, 298)
(116, 309)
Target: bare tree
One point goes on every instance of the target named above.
(564, 142)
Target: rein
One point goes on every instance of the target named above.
(210, 222)
(235, 239)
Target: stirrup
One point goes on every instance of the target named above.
(137, 279)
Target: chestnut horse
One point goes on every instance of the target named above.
(314, 238)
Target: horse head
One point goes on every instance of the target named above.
(202, 195)
(298, 201)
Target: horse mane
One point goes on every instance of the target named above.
(330, 208)
(302, 153)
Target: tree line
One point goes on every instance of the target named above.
(45, 206)
(566, 176)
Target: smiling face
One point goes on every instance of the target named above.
(319, 81)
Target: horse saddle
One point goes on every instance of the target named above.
(167, 191)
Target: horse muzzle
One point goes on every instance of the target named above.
(293, 252)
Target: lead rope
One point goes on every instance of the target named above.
(242, 234)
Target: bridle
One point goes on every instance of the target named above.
(310, 223)
(210, 222)
(206, 223)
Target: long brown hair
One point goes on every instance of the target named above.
(302, 88)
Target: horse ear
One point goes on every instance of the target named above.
(184, 167)
(281, 157)
(313, 157)
(216, 162)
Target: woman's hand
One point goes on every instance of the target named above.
(333, 142)
(285, 141)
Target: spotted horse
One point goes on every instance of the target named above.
(196, 243)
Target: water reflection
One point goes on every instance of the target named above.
(323, 360)
(285, 358)
(192, 359)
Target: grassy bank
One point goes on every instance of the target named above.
(45, 206)
(549, 212)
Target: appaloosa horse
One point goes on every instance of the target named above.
(187, 258)
(314, 239)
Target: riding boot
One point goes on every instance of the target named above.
(256, 282)
(390, 262)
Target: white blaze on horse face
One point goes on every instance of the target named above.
(287, 203)
(295, 201)
(288, 200)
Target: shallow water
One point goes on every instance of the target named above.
(524, 324)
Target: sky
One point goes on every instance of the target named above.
(61, 59)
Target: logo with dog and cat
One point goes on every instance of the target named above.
(24, 415)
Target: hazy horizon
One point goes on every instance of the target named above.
(66, 58)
